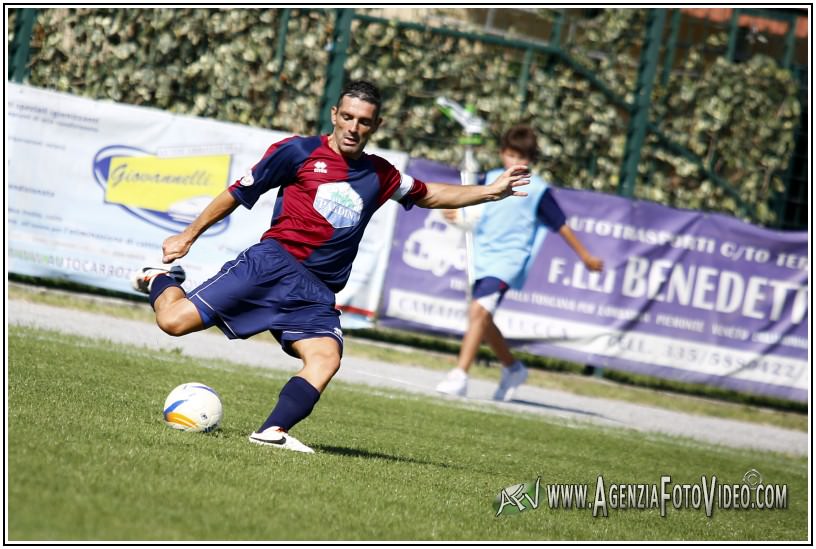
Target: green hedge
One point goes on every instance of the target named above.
(224, 64)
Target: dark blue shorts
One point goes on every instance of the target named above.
(265, 288)
(489, 292)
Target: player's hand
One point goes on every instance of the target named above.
(593, 263)
(505, 185)
(175, 246)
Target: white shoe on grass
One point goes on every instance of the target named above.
(511, 377)
(454, 384)
(142, 280)
(277, 437)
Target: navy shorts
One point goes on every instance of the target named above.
(489, 292)
(265, 288)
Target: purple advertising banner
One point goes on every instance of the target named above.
(684, 295)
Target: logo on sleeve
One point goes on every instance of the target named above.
(339, 203)
(247, 180)
(320, 167)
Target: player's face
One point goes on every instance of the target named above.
(510, 157)
(354, 122)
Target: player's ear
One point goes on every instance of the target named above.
(334, 115)
(377, 124)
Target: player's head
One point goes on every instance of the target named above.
(519, 145)
(355, 117)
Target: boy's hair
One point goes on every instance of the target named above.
(362, 90)
(522, 139)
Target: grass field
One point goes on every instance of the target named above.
(90, 459)
(577, 384)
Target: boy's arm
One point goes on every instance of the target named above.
(590, 261)
(550, 214)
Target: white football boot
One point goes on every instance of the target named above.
(277, 437)
(142, 280)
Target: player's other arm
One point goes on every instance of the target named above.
(177, 246)
(550, 214)
(442, 195)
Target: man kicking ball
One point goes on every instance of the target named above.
(328, 189)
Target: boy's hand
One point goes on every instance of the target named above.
(593, 263)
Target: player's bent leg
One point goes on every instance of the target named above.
(177, 317)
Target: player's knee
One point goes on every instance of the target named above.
(171, 324)
(328, 361)
(479, 314)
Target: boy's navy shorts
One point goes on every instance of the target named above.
(265, 288)
(489, 292)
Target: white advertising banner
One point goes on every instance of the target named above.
(94, 187)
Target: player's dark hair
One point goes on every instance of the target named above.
(362, 90)
(522, 139)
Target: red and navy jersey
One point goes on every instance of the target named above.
(325, 201)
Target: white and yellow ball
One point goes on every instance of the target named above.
(193, 407)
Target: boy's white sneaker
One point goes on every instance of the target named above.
(454, 384)
(511, 377)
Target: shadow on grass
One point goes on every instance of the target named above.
(354, 452)
(554, 408)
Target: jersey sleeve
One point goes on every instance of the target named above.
(278, 166)
(396, 185)
(549, 213)
(409, 191)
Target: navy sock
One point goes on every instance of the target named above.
(296, 401)
(159, 285)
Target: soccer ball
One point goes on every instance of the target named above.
(193, 407)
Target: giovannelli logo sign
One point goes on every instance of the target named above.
(167, 192)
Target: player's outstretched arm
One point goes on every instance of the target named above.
(442, 195)
(177, 246)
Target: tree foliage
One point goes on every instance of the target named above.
(739, 119)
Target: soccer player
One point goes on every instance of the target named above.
(506, 239)
(328, 189)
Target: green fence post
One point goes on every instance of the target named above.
(524, 78)
(283, 31)
(733, 33)
(21, 45)
(671, 47)
(336, 71)
(280, 51)
(636, 133)
(558, 23)
(790, 43)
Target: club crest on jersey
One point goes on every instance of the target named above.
(339, 203)
(320, 167)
